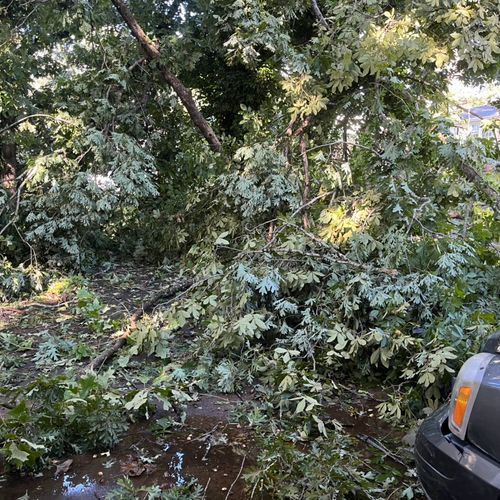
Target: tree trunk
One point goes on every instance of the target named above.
(152, 52)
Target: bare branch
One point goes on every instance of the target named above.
(348, 143)
(319, 16)
(29, 117)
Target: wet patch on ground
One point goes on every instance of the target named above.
(209, 448)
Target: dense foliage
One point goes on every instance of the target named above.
(343, 232)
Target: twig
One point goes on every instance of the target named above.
(206, 487)
(348, 143)
(237, 477)
(48, 306)
(203, 437)
(379, 446)
(36, 115)
(355, 393)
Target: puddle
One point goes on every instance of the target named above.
(70, 489)
(208, 449)
(177, 469)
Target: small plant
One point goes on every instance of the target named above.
(65, 286)
(81, 351)
(52, 349)
(61, 415)
(93, 310)
(251, 414)
(126, 490)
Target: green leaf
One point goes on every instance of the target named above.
(221, 239)
(301, 405)
(16, 454)
(321, 425)
(139, 400)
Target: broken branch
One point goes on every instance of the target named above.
(152, 53)
(148, 306)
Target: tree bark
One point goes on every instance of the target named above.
(8, 170)
(270, 231)
(152, 52)
(307, 180)
(319, 15)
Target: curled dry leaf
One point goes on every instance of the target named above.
(132, 468)
(63, 467)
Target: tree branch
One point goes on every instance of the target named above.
(473, 176)
(347, 143)
(307, 180)
(29, 117)
(319, 16)
(121, 337)
(152, 52)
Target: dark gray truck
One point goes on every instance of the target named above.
(457, 449)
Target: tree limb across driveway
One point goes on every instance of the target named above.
(121, 337)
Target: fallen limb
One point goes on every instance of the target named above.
(152, 53)
(332, 254)
(121, 337)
